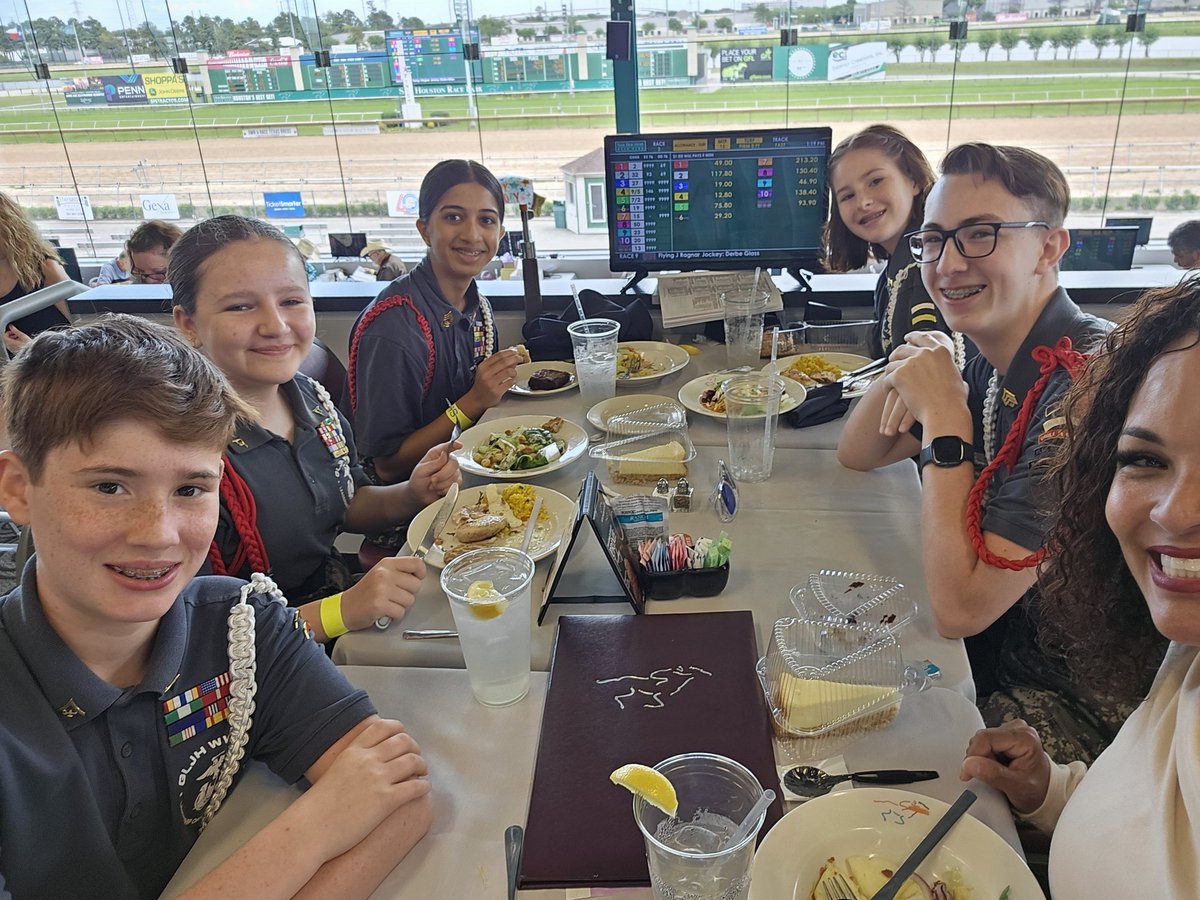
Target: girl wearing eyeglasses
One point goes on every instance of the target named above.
(878, 179)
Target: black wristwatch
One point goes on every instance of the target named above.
(947, 452)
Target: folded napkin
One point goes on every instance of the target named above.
(823, 404)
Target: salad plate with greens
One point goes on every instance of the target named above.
(520, 446)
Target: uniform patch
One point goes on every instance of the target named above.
(1052, 428)
(196, 709)
(1008, 398)
(330, 431)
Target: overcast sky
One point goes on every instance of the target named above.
(264, 10)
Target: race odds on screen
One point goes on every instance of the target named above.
(724, 200)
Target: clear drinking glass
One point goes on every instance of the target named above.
(686, 854)
(744, 311)
(594, 342)
(751, 417)
(494, 630)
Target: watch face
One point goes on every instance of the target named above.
(949, 451)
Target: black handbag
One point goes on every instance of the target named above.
(546, 336)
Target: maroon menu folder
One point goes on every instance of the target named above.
(635, 689)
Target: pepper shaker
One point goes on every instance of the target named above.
(681, 496)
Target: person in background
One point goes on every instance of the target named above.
(114, 271)
(292, 480)
(878, 179)
(132, 689)
(309, 253)
(989, 249)
(1123, 583)
(423, 354)
(148, 247)
(388, 266)
(1184, 241)
(28, 263)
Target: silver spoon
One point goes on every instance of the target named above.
(809, 781)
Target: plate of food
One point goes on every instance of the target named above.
(537, 379)
(814, 369)
(706, 395)
(520, 447)
(495, 515)
(599, 414)
(864, 834)
(639, 361)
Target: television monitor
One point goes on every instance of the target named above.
(1092, 249)
(70, 262)
(716, 200)
(1143, 226)
(347, 244)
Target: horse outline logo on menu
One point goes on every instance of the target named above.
(659, 681)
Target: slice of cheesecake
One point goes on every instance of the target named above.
(811, 706)
(649, 465)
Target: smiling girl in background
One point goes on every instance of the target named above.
(292, 480)
(423, 354)
(878, 179)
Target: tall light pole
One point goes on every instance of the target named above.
(462, 9)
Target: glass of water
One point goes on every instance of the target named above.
(751, 418)
(489, 597)
(744, 311)
(595, 344)
(687, 855)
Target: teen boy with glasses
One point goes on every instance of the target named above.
(989, 251)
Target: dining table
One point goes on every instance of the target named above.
(481, 763)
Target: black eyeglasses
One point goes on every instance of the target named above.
(156, 274)
(973, 241)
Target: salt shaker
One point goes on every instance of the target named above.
(681, 496)
(663, 488)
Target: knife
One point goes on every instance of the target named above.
(431, 536)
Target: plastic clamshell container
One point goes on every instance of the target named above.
(655, 417)
(685, 582)
(624, 448)
(824, 678)
(850, 598)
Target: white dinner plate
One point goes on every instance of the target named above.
(599, 414)
(546, 536)
(575, 437)
(847, 362)
(689, 395)
(664, 359)
(525, 370)
(888, 823)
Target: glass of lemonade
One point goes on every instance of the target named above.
(686, 854)
(594, 342)
(489, 593)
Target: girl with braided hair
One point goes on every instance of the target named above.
(292, 480)
(423, 354)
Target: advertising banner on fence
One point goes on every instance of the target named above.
(126, 88)
(742, 64)
(805, 62)
(73, 207)
(857, 60)
(159, 206)
(402, 204)
(165, 87)
(284, 205)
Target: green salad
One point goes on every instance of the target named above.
(518, 449)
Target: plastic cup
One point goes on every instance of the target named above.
(686, 855)
(494, 633)
(744, 311)
(751, 417)
(594, 342)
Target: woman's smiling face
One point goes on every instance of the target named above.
(463, 231)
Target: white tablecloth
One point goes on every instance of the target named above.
(481, 764)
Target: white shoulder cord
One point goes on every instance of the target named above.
(990, 402)
(341, 464)
(242, 687)
(489, 328)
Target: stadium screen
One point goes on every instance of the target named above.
(1142, 224)
(721, 200)
(348, 244)
(1105, 249)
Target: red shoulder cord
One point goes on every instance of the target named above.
(244, 512)
(1049, 359)
(374, 313)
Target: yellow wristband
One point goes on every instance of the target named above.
(458, 417)
(331, 616)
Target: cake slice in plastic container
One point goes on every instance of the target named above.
(656, 417)
(853, 598)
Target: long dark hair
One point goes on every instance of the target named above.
(846, 250)
(205, 238)
(450, 173)
(1094, 613)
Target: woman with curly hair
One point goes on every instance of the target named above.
(28, 263)
(1124, 582)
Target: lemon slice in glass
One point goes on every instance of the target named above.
(649, 784)
(485, 601)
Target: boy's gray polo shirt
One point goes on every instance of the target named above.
(102, 788)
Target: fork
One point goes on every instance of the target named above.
(457, 429)
(836, 888)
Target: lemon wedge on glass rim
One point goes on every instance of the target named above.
(485, 601)
(649, 784)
